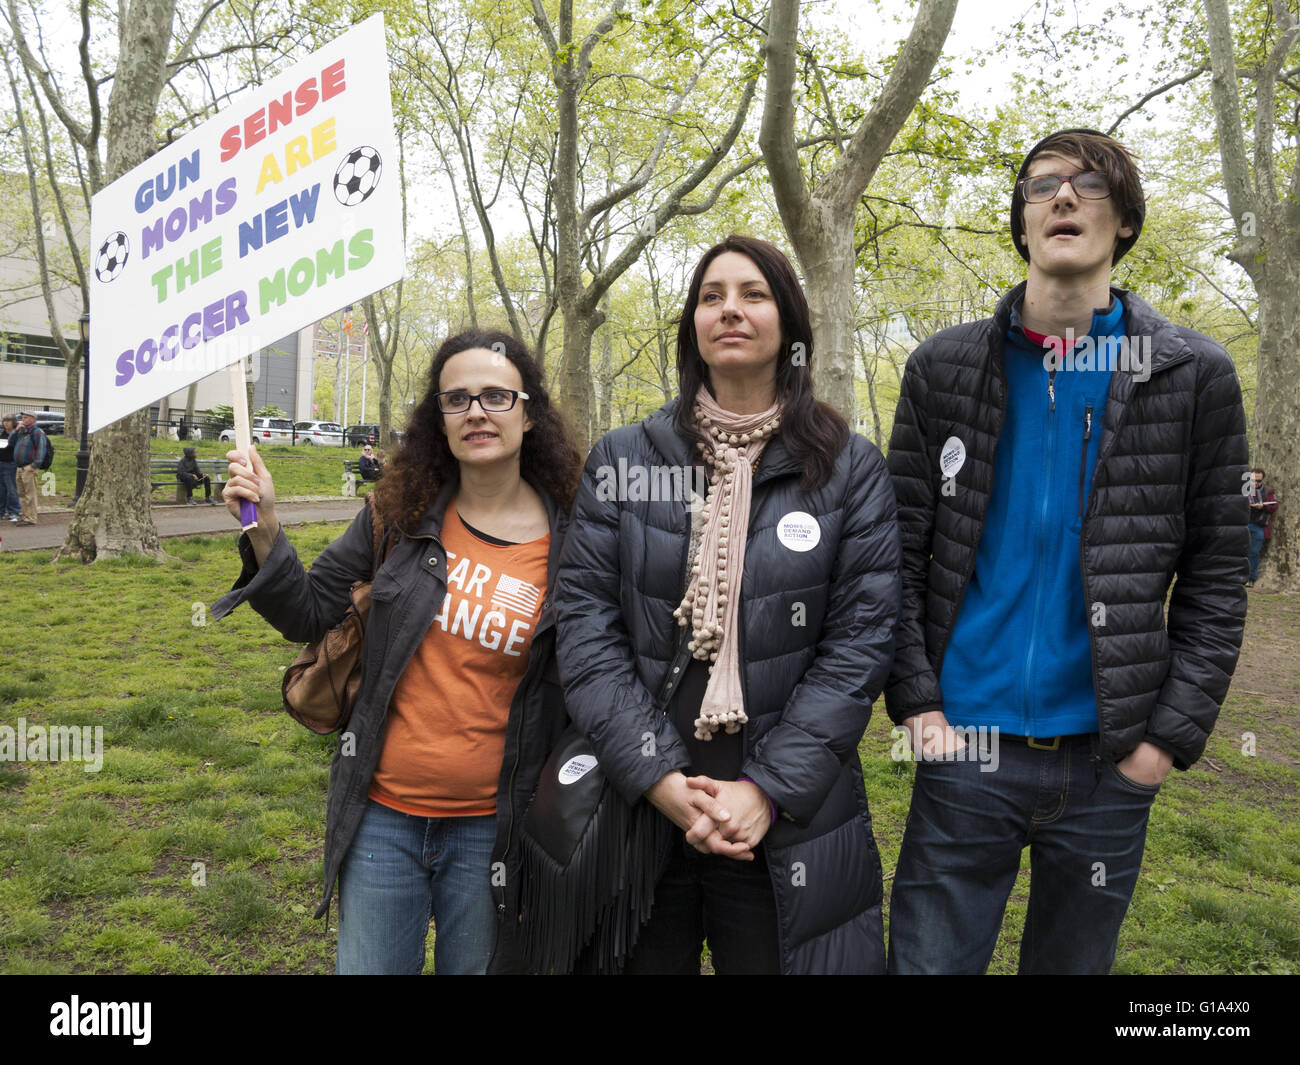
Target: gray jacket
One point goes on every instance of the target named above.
(816, 642)
(405, 597)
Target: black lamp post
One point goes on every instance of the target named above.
(83, 454)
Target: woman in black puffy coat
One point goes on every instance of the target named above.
(738, 715)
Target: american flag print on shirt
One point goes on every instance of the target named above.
(513, 594)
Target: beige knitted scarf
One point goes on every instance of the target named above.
(732, 447)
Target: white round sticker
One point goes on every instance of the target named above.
(953, 457)
(576, 768)
(799, 531)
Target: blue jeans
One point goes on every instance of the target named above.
(9, 502)
(1085, 826)
(399, 871)
(1256, 547)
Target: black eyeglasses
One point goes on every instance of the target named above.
(1090, 184)
(494, 400)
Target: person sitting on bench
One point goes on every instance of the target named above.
(370, 467)
(187, 472)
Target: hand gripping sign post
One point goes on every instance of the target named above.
(266, 218)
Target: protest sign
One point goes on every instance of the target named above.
(266, 218)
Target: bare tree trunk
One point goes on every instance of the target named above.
(1268, 249)
(870, 366)
(112, 516)
(605, 409)
(575, 375)
(1277, 419)
(819, 222)
(385, 403)
(72, 395)
(831, 305)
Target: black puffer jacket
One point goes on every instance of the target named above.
(1166, 499)
(816, 640)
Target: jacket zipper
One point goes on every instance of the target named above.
(1083, 455)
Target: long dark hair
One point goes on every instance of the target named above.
(547, 460)
(814, 432)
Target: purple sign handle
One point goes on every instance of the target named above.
(247, 514)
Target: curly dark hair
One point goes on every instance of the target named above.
(548, 460)
(814, 432)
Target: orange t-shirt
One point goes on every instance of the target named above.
(446, 732)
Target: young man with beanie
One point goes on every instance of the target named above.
(1055, 466)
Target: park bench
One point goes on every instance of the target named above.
(162, 472)
(352, 480)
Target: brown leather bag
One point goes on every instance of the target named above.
(320, 688)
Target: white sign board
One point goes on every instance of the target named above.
(268, 217)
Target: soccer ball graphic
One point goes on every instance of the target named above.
(357, 176)
(112, 257)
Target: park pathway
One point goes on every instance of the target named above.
(179, 521)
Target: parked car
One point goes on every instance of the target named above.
(51, 424)
(361, 435)
(265, 431)
(327, 434)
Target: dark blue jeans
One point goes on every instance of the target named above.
(709, 896)
(1256, 548)
(1085, 825)
(9, 502)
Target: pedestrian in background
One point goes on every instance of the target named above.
(9, 502)
(30, 448)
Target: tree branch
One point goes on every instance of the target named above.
(183, 53)
(671, 205)
(1192, 75)
(854, 169)
(646, 169)
(1242, 198)
(1288, 34)
(776, 134)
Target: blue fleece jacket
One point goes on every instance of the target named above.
(1019, 657)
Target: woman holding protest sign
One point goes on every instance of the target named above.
(455, 712)
(723, 657)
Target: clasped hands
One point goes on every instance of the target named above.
(728, 817)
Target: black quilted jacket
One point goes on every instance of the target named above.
(816, 640)
(1166, 503)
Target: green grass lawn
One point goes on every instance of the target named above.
(197, 846)
(298, 471)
